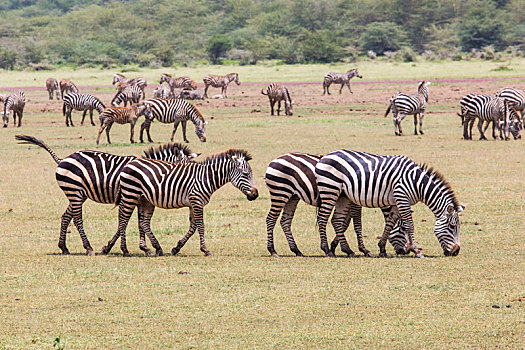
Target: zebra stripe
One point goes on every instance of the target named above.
(163, 91)
(402, 104)
(486, 109)
(139, 81)
(185, 83)
(128, 93)
(94, 175)
(277, 93)
(379, 181)
(515, 99)
(170, 186)
(123, 115)
(14, 102)
(339, 78)
(67, 87)
(52, 87)
(80, 102)
(219, 81)
(175, 111)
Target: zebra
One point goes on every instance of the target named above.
(67, 86)
(487, 109)
(379, 181)
(81, 102)
(123, 115)
(94, 175)
(139, 81)
(402, 104)
(175, 111)
(192, 94)
(340, 78)
(52, 87)
(291, 178)
(163, 91)
(14, 102)
(184, 83)
(219, 81)
(515, 99)
(277, 93)
(171, 186)
(127, 93)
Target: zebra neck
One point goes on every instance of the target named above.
(433, 193)
(217, 174)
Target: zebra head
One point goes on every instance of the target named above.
(117, 78)
(145, 110)
(165, 77)
(234, 77)
(193, 85)
(354, 73)
(241, 173)
(422, 89)
(515, 125)
(446, 229)
(399, 240)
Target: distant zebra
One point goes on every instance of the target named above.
(219, 81)
(163, 91)
(379, 181)
(487, 109)
(94, 175)
(171, 186)
(402, 104)
(139, 81)
(291, 178)
(128, 93)
(67, 86)
(14, 102)
(52, 87)
(80, 102)
(123, 115)
(277, 93)
(340, 78)
(175, 111)
(184, 83)
(192, 94)
(515, 99)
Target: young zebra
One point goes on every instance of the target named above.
(127, 93)
(515, 99)
(171, 186)
(340, 78)
(14, 102)
(219, 81)
(277, 93)
(403, 104)
(94, 175)
(192, 94)
(175, 111)
(291, 178)
(81, 102)
(67, 86)
(184, 83)
(139, 81)
(123, 115)
(52, 87)
(378, 181)
(163, 91)
(487, 109)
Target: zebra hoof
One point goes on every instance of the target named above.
(383, 255)
(351, 255)
(275, 255)
(369, 255)
(160, 252)
(65, 252)
(419, 255)
(149, 253)
(422, 133)
(105, 250)
(90, 252)
(298, 253)
(175, 251)
(330, 254)
(126, 254)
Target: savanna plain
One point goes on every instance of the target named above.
(241, 297)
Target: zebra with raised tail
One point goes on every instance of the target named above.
(486, 109)
(175, 111)
(81, 102)
(14, 102)
(379, 181)
(277, 93)
(123, 115)
(52, 87)
(340, 78)
(291, 178)
(127, 93)
(139, 81)
(94, 175)
(171, 186)
(402, 104)
(219, 81)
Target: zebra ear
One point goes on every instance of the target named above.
(206, 122)
(194, 155)
(461, 207)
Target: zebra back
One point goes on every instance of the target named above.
(515, 97)
(171, 152)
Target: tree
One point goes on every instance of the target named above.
(481, 27)
(321, 46)
(217, 47)
(383, 36)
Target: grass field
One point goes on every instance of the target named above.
(241, 297)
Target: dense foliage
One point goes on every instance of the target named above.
(166, 32)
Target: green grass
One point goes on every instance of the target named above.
(241, 298)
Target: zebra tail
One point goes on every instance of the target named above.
(63, 109)
(25, 139)
(118, 198)
(262, 92)
(388, 109)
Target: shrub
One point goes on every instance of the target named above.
(217, 47)
(481, 28)
(7, 58)
(383, 36)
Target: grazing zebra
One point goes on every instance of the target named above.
(402, 104)
(171, 186)
(291, 178)
(487, 109)
(67, 86)
(515, 99)
(277, 93)
(515, 125)
(219, 81)
(94, 175)
(52, 87)
(14, 102)
(184, 83)
(378, 181)
(340, 78)
(123, 115)
(81, 102)
(139, 81)
(163, 91)
(175, 111)
(127, 93)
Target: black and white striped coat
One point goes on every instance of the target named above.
(94, 175)
(339, 78)
(291, 178)
(379, 181)
(515, 98)
(175, 111)
(486, 109)
(402, 104)
(139, 81)
(67, 87)
(184, 83)
(151, 183)
(123, 115)
(219, 81)
(127, 93)
(80, 102)
(277, 93)
(163, 91)
(52, 87)
(15, 102)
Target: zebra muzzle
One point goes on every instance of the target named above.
(252, 194)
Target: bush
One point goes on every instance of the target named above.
(320, 47)
(383, 36)
(481, 28)
(217, 47)
(7, 58)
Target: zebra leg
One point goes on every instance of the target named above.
(50, 92)
(328, 88)
(279, 108)
(193, 226)
(124, 213)
(68, 116)
(20, 118)
(349, 89)
(132, 131)
(145, 211)
(77, 218)
(66, 219)
(323, 213)
(470, 128)
(356, 214)
(401, 117)
(184, 131)
(341, 89)
(271, 220)
(415, 123)
(108, 128)
(286, 224)
(145, 125)
(91, 117)
(206, 86)
(407, 223)
(340, 222)
(83, 117)
(390, 218)
(102, 127)
(223, 91)
(482, 134)
(324, 88)
(272, 105)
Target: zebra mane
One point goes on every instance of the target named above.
(169, 75)
(158, 152)
(198, 112)
(214, 158)
(439, 179)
